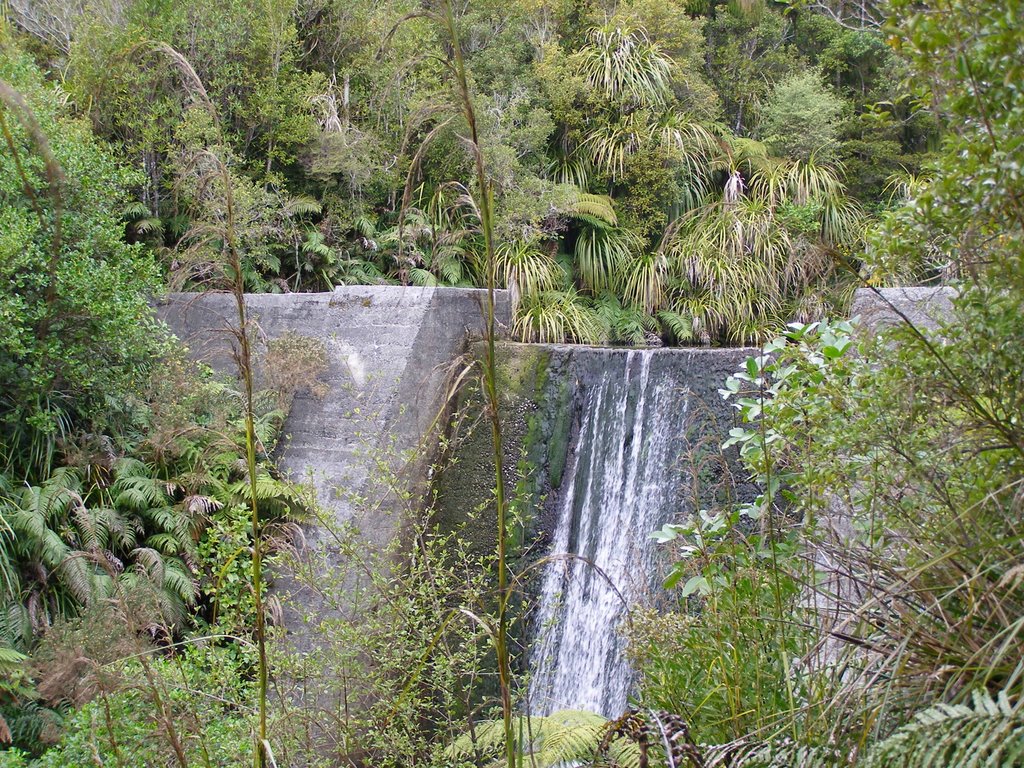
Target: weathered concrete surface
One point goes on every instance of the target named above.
(924, 307)
(390, 350)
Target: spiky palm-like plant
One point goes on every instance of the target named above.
(624, 65)
(558, 317)
(728, 259)
(524, 268)
(612, 142)
(634, 78)
(737, 268)
(570, 167)
(644, 280)
(600, 255)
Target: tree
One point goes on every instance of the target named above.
(79, 332)
(800, 120)
(969, 219)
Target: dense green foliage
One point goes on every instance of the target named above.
(606, 128)
(77, 329)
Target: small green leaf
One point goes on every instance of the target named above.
(675, 576)
(695, 584)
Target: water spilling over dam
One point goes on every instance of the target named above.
(642, 417)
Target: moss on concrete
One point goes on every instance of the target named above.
(464, 480)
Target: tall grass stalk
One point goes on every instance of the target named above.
(245, 368)
(485, 206)
(244, 361)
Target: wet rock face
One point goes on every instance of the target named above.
(643, 450)
(602, 446)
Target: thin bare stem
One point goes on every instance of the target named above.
(490, 384)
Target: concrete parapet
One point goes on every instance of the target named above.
(924, 307)
(389, 350)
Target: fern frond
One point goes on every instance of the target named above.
(279, 495)
(680, 326)
(151, 225)
(568, 737)
(76, 577)
(302, 205)
(164, 543)
(139, 493)
(987, 732)
(783, 754)
(422, 277)
(135, 210)
(450, 267)
(128, 467)
(364, 226)
(591, 221)
(180, 583)
(600, 207)
(10, 658)
(150, 563)
(315, 244)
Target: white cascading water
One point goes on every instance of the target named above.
(621, 483)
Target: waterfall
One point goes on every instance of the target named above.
(621, 483)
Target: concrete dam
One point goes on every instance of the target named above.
(602, 445)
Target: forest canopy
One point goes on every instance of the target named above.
(629, 146)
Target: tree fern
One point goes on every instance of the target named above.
(988, 732)
(679, 326)
(600, 207)
(567, 737)
(301, 205)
